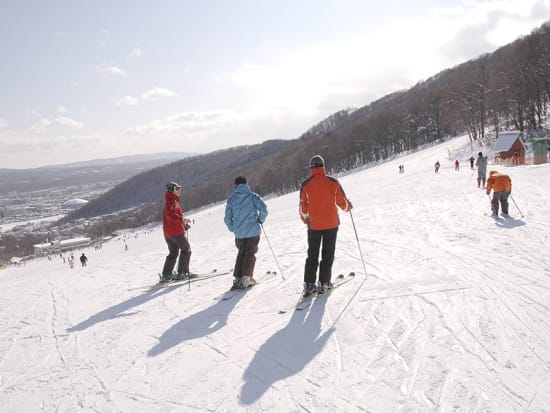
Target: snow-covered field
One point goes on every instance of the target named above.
(452, 315)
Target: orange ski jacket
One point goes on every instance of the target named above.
(319, 196)
(498, 182)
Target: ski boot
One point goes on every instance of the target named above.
(309, 289)
(166, 278)
(237, 284)
(324, 287)
(248, 281)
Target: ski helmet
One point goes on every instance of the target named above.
(172, 186)
(316, 161)
(480, 154)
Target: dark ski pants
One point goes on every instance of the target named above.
(326, 237)
(502, 198)
(175, 245)
(246, 257)
(481, 178)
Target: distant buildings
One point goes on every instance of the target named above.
(58, 246)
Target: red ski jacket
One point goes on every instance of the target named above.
(172, 217)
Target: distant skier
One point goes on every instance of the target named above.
(481, 164)
(174, 226)
(501, 185)
(457, 165)
(244, 212)
(472, 159)
(83, 259)
(436, 166)
(319, 197)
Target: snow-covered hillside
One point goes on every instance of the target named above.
(452, 315)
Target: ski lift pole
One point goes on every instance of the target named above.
(516, 205)
(272, 252)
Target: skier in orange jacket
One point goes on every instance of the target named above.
(501, 185)
(320, 195)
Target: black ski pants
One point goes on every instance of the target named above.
(175, 245)
(326, 237)
(502, 198)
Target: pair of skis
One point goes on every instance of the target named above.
(195, 277)
(305, 302)
(233, 293)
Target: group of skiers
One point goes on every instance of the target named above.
(320, 197)
(500, 184)
(245, 212)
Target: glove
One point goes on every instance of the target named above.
(350, 206)
(187, 226)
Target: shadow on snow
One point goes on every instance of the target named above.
(119, 310)
(197, 325)
(286, 353)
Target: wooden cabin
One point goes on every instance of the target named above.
(509, 148)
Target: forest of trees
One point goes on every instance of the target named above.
(508, 89)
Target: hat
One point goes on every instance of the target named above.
(172, 186)
(316, 161)
(239, 180)
(480, 154)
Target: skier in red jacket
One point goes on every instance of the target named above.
(174, 226)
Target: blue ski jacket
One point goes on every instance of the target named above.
(244, 212)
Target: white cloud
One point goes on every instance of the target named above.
(154, 94)
(354, 71)
(3, 123)
(64, 122)
(157, 93)
(127, 101)
(62, 109)
(68, 122)
(136, 53)
(197, 124)
(111, 70)
(189, 131)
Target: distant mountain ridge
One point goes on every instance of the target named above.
(126, 159)
(77, 173)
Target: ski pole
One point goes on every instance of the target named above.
(362, 282)
(358, 245)
(272, 252)
(469, 180)
(516, 205)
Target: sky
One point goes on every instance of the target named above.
(447, 311)
(82, 80)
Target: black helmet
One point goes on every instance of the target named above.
(480, 154)
(316, 161)
(172, 186)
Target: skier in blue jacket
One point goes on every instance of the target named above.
(244, 212)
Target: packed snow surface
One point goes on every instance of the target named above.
(452, 314)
